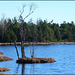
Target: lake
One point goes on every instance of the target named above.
(63, 54)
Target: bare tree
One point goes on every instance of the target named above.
(3, 25)
(21, 22)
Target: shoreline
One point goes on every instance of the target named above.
(38, 43)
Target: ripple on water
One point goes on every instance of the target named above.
(63, 54)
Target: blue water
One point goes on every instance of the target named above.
(63, 54)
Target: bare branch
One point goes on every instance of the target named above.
(21, 12)
(28, 15)
(31, 7)
(30, 11)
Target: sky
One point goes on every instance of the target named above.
(58, 11)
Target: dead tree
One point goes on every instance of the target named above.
(3, 25)
(21, 22)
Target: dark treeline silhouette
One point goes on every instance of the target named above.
(42, 31)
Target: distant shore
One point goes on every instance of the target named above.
(38, 43)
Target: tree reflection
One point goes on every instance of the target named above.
(23, 69)
(31, 68)
(17, 68)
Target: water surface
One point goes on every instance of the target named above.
(63, 54)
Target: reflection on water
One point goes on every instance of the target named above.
(32, 67)
(17, 69)
(23, 68)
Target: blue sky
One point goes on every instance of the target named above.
(59, 11)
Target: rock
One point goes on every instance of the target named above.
(4, 58)
(1, 53)
(4, 69)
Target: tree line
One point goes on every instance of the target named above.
(42, 31)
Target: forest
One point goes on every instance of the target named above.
(42, 31)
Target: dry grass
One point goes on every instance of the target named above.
(4, 69)
(4, 58)
(1, 53)
(38, 43)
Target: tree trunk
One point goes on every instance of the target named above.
(16, 49)
(22, 30)
(22, 49)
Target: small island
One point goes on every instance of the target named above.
(35, 60)
(4, 58)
